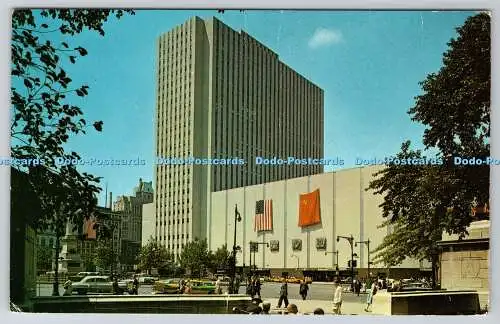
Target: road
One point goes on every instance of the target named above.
(317, 291)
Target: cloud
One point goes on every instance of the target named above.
(325, 37)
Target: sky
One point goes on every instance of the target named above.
(369, 64)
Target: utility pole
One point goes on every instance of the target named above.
(349, 239)
(367, 242)
(337, 260)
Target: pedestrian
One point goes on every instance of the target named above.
(257, 286)
(68, 288)
(249, 290)
(337, 298)
(303, 289)
(319, 311)
(266, 307)
(135, 285)
(357, 287)
(371, 293)
(292, 309)
(237, 283)
(254, 308)
(283, 294)
(218, 288)
(116, 288)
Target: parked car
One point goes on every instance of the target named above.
(93, 284)
(169, 286)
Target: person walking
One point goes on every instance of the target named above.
(303, 289)
(218, 287)
(337, 298)
(283, 294)
(249, 290)
(135, 286)
(116, 287)
(371, 293)
(257, 286)
(68, 288)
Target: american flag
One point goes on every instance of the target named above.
(263, 220)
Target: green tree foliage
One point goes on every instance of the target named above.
(105, 256)
(44, 258)
(420, 202)
(44, 114)
(219, 259)
(155, 256)
(195, 257)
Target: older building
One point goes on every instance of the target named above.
(222, 95)
(343, 208)
(130, 209)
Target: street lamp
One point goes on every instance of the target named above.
(237, 218)
(337, 259)
(349, 239)
(367, 242)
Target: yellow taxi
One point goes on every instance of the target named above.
(169, 286)
(293, 280)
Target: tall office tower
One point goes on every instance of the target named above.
(222, 95)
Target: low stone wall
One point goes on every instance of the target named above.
(426, 303)
(164, 304)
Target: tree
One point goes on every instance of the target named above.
(105, 256)
(220, 259)
(44, 257)
(44, 115)
(155, 256)
(195, 257)
(423, 201)
(415, 205)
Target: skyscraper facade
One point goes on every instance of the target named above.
(223, 95)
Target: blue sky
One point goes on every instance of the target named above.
(369, 64)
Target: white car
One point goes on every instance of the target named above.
(147, 280)
(93, 284)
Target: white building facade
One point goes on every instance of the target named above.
(346, 209)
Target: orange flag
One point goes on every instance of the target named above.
(309, 209)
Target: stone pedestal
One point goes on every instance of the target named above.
(70, 260)
(465, 263)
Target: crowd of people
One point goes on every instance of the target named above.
(264, 308)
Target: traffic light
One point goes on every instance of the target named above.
(354, 263)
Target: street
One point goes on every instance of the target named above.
(318, 291)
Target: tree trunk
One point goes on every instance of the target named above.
(435, 265)
(55, 287)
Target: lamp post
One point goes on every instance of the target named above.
(237, 218)
(349, 239)
(337, 259)
(367, 242)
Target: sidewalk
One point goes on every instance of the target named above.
(308, 306)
